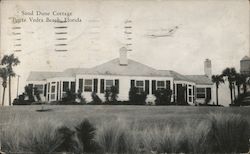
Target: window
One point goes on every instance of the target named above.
(65, 86)
(201, 93)
(109, 84)
(39, 88)
(160, 85)
(53, 89)
(190, 94)
(189, 91)
(140, 86)
(53, 94)
(88, 85)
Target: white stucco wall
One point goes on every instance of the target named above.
(124, 85)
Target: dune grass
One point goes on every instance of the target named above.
(125, 131)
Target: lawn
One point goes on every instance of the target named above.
(162, 121)
(145, 115)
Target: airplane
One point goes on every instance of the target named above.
(169, 33)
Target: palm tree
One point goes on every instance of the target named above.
(240, 79)
(4, 76)
(230, 73)
(217, 79)
(10, 61)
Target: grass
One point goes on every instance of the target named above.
(126, 129)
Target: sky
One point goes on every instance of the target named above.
(166, 34)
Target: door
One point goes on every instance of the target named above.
(181, 94)
(53, 91)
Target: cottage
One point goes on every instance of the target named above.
(124, 73)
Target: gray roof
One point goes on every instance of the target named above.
(200, 79)
(175, 75)
(113, 67)
(132, 69)
(42, 76)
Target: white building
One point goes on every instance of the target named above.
(123, 73)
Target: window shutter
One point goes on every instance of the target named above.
(174, 92)
(80, 84)
(60, 90)
(45, 90)
(194, 92)
(48, 91)
(57, 90)
(167, 84)
(73, 87)
(117, 85)
(208, 93)
(186, 93)
(147, 86)
(48, 87)
(153, 86)
(95, 85)
(132, 83)
(102, 86)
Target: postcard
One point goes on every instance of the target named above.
(145, 72)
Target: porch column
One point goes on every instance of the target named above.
(150, 87)
(47, 92)
(76, 85)
(175, 91)
(60, 89)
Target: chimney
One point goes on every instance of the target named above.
(208, 68)
(123, 56)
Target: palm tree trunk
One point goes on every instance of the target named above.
(231, 93)
(9, 91)
(217, 99)
(3, 96)
(245, 87)
(238, 88)
(234, 91)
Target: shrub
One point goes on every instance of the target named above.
(37, 94)
(113, 94)
(29, 92)
(86, 133)
(107, 96)
(20, 100)
(229, 133)
(207, 100)
(137, 98)
(163, 96)
(95, 99)
(69, 140)
(80, 97)
(239, 99)
(70, 96)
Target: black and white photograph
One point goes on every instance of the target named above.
(124, 76)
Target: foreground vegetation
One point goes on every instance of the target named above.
(124, 129)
